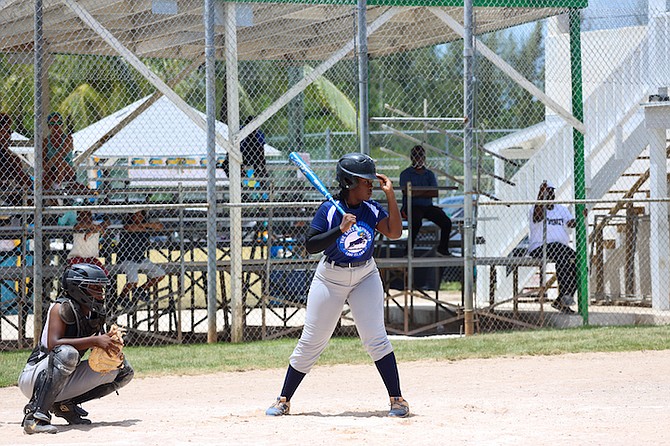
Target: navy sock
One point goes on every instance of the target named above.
(388, 369)
(291, 382)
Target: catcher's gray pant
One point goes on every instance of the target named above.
(82, 379)
(331, 287)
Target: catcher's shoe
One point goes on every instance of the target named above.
(32, 425)
(399, 407)
(280, 407)
(72, 413)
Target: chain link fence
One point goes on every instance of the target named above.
(123, 174)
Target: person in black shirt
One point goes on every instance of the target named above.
(422, 200)
(253, 153)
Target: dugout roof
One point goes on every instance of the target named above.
(290, 30)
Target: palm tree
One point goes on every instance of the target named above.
(16, 84)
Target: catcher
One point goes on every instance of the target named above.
(55, 378)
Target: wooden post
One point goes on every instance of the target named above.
(599, 263)
(629, 261)
(493, 283)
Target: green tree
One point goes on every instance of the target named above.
(529, 61)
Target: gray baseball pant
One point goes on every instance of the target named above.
(333, 286)
(81, 381)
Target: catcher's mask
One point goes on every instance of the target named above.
(353, 166)
(85, 283)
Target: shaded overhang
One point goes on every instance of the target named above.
(306, 30)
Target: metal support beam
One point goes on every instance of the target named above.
(468, 143)
(210, 101)
(579, 166)
(232, 89)
(363, 101)
(38, 248)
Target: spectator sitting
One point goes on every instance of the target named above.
(422, 200)
(558, 221)
(58, 165)
(13, 175)
(86, 241)
(132, 254)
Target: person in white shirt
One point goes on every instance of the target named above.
(558, 221)
(86, 241)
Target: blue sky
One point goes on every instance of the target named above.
(602, 14)
(607, 14)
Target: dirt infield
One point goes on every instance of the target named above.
(596, 399)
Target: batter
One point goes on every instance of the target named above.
(347, 273)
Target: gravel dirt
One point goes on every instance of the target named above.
(592, 398)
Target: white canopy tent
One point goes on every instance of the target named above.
(162, 130)
(162, 144)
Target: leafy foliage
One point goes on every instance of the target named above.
(422, 82)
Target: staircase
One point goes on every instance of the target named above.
(614, 140)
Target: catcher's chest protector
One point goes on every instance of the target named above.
(76, 324)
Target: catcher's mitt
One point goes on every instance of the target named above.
(102, 361)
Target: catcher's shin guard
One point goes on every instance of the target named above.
(62, 361)
(35, 420)
(124, 376)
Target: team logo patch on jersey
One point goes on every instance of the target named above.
(356, 241)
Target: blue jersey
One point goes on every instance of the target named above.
(424, 179)
(355, 245)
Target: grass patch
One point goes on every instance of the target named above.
(197, 359)
(450, 286)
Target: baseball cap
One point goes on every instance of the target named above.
(550, 185)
